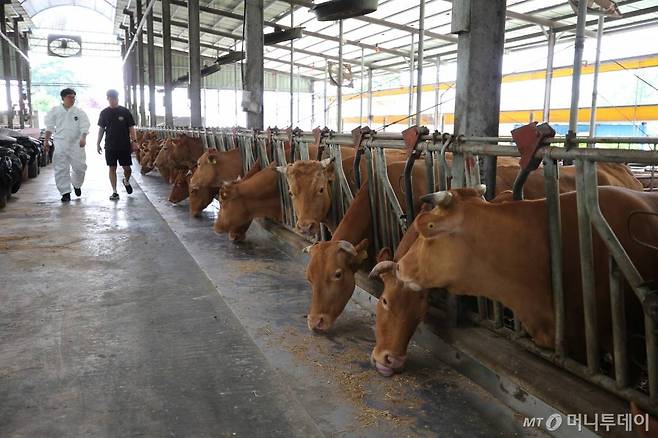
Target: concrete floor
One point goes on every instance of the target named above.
(133, 319)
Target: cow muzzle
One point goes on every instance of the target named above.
(307, 227)
(318, 323)
(387, 363)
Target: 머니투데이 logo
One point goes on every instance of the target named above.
(121, 118)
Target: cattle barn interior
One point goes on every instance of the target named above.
(345, 218)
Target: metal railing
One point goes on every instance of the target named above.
(389, 222)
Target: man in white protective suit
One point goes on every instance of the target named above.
(69, 126)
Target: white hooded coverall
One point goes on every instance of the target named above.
(69, 159)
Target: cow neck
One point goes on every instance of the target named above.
(357, 222)
(515, 234)
(260, 193)
(228, 167)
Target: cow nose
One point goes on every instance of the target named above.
(317, 323)
(307, 227)
(386, 362)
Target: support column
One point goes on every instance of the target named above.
(194, 86)
(166, 57)
(361, 92)
(326, 80)
(19, 74)
(597, 67)
(421, 47)
(133, 71)
(140, 67)
(151, 67)
(292, 66)
(126, 73)
(255, 71)
(575, 79)
(370, 118)
(6, 64)
(437, 95)
(410, 120)
(339, 94)
(549, 76)
(28, 77)
(480, 25)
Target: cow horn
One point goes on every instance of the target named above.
(327, 162)
(380, 267)
(481, 189)
(348, 247)
(282, 169)
(307, 249)
(413, 286)
(441, 198)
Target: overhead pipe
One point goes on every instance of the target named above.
(138, 30)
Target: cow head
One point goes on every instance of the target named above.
(186, 151)
(331, 271)
(399, 311)
(200, 198)
(206, 171)
(180, 189)
(310, 189)
(234, 217)
(441, 240)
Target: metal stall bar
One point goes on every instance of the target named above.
(292, 66)
(618, 313)
(339, 91)
(410, 120)
(577, 68)
(549, 75)
(597, 66)
(370, 116)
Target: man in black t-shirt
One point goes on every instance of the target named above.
(117, 123)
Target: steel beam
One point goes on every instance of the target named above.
(28, 77)
(138, 30)
(19, 74)
(479, 78)
(577, 68)
(419, 81)
(6, 65)
(255, 71)
(292, 60)
(339, 90)
(140, 64)
(597, 66)
(167, 64)
(194, 56)
(151, 67)
(133, 69)
(549, 76)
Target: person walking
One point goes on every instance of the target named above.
(68, 125)
(118, 125)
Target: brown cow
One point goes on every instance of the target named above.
(186, 151)
(243, 200)
(512, 264)
(180, 189)
(163, 160)
(215, 167)
(332, 264)
(200, 198)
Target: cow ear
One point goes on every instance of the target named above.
(361, 251)
(385, 254)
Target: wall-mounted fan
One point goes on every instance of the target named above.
(64, 46)
(347, 74)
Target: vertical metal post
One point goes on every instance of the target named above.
(255, 75)
(339, 95)
(410, 120)
(194, 46)
(151, 67)
(19, 74)
(370, 119)
(167, 62)
(312, 104)
(126, 79)
(299, 81)
(361, 92)
(575, 79)
(549, 75)
(133, 70)
(597, 67)
(235, 93)
(292, 66)
(437, 94)
(6, 66)
(326, 80)
(421, 47)
(140, 67)
(481, 31)
(28, 78)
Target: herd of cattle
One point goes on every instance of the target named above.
(21, 157)
(497, 249)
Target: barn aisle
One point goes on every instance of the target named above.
(109, 328)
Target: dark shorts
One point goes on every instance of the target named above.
(122, 156)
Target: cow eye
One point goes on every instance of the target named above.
(384, 302)
(430, 225)
(338, 274)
